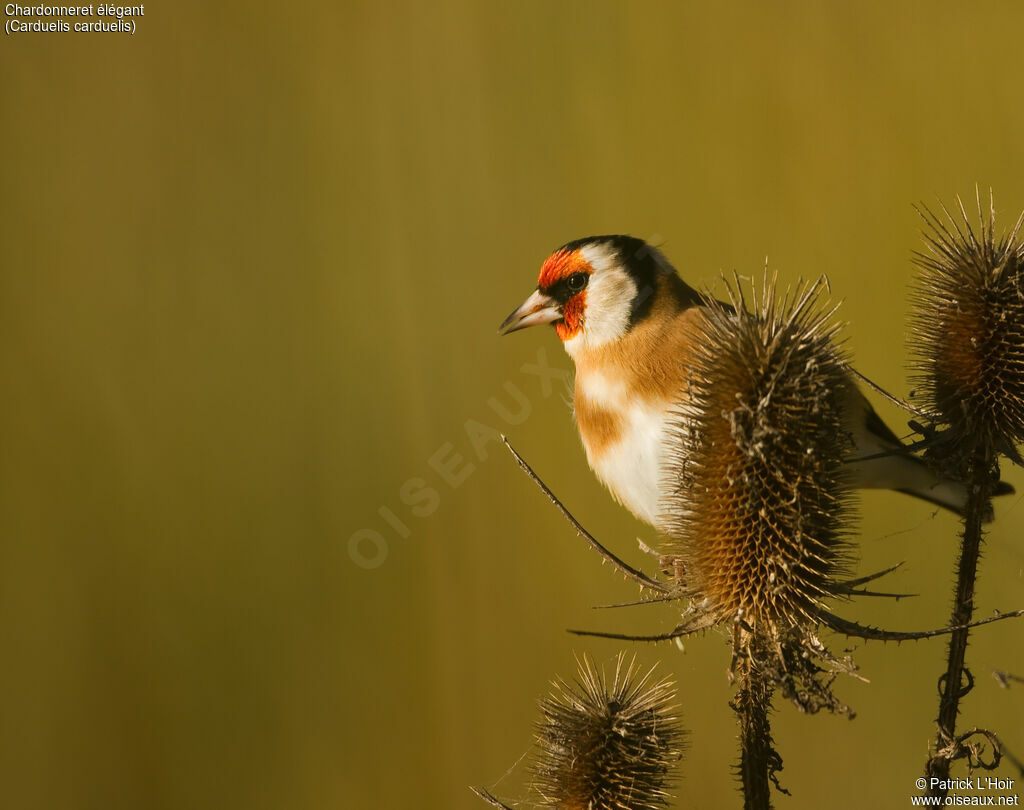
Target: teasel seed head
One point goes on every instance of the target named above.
(967, 333)
(607, 746)
(761, 516)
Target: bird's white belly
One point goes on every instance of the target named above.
(631, 467)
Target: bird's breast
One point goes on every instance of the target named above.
(624, 437)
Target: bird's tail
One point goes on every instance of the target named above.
(885, 463)
(946, 493)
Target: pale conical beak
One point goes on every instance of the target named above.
(538, 308)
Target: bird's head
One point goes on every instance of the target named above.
(594, 290)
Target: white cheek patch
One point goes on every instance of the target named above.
(610, 295)
(609, 300)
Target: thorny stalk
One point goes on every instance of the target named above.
(759, 760)
(957, 680)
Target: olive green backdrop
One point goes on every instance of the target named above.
(259, 547)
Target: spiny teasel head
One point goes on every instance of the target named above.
(607, 746)
(760, 514)
(968, 332)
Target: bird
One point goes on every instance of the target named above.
(629, 323)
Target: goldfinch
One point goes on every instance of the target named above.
(629, 322)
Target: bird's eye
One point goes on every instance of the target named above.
(577, 281)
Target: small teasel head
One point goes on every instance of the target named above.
(608, 746)
(761, 512)
(967, 334)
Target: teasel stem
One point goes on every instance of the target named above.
(951, 684)
(758, 759)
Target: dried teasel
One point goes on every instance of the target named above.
(968, 341)
(607, 746)
(968, 335)
(761, 519)
(759, 524)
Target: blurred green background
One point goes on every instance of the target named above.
(253, 261)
